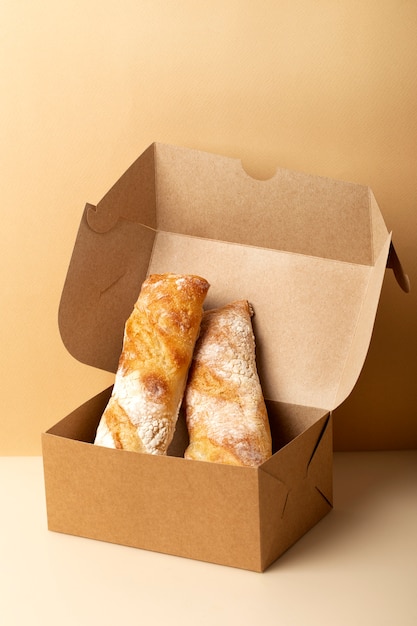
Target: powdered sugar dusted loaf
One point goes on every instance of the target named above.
(225, 409)
(159, 339)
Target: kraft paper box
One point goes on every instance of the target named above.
(310, 254)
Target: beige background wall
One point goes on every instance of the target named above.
(323, 86)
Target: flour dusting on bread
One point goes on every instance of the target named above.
(225, 409)
(158, 344)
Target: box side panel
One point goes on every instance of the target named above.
(166, 504)
(295, 489)
(320, 467)
(207, 195)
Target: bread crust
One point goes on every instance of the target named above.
(158, 343)
(225, 410)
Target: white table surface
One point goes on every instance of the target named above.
(357, 566)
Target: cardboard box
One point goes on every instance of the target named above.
(310, 254)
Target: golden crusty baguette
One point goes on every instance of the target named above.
(225, 410)
(159, 339)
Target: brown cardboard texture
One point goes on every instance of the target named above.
(310, 254)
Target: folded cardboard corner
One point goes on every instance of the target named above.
(310, 254)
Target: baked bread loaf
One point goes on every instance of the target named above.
(158, 344)
(225, 410)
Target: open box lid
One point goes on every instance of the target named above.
(308, 252)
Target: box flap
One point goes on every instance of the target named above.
(308, 252)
